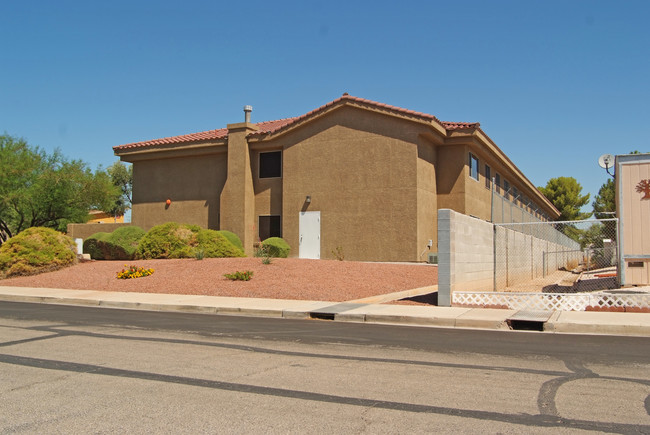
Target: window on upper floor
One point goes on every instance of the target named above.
(506, 189)
(473, 166)
(497, 182)
(271, 164)
(488, 177)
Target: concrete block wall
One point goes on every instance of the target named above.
(477, 255)
(465, 254)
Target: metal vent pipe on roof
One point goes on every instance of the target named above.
(247, 113)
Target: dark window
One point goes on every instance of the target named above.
(497, 182)
(271, 164)
(270, 226)
(506, 188)
(473, 166)
(488, 176)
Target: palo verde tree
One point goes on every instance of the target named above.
(48, 190)
(122, 178)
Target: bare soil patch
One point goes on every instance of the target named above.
(284, 278)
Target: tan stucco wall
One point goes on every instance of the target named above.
(451, 177)
(427, 199)
(193, 183)
(268, 191)
(360, 170)
(377, 177)
(237, 198)
(83, 231)
(477, 196)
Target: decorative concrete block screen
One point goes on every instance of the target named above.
(555, 301)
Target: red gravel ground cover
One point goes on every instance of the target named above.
(284, 278)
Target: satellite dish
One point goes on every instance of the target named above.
(606, 161)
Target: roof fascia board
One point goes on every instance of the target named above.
(162, 151)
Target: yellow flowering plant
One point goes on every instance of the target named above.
(133, 272)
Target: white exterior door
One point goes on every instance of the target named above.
(309, 229)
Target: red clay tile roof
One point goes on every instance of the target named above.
(221, 133)
(274, 126)
(460, 125)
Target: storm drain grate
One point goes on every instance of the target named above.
(529, 320)
(321, 315)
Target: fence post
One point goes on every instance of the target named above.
(494, 258)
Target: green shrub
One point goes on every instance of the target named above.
(214, 245)
(232, 238)
(239, 276)
(36, 250)
(173, 240)
(276, 247)
(91, 246)
(122, 243)
(169, 240)
(118, 245)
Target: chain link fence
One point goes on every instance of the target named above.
(568, 256)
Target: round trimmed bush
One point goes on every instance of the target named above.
(169, 240)
(92, 245)
(174, 240)
(36, 250)
(215, 245)
(232, 238)
(277, 247)
(118, 245)
(122, 243)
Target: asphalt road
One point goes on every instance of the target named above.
(81, 370)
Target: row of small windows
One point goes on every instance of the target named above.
(509, 193)
(474, 173)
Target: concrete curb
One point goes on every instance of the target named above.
(637, 324)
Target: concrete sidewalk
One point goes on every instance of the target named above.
(447, 317)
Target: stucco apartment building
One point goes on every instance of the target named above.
(354, 175)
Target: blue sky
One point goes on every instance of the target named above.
(554, 83)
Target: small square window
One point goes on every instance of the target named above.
(473, 166)
(270, 226)
(271, 164)
(488, 177)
